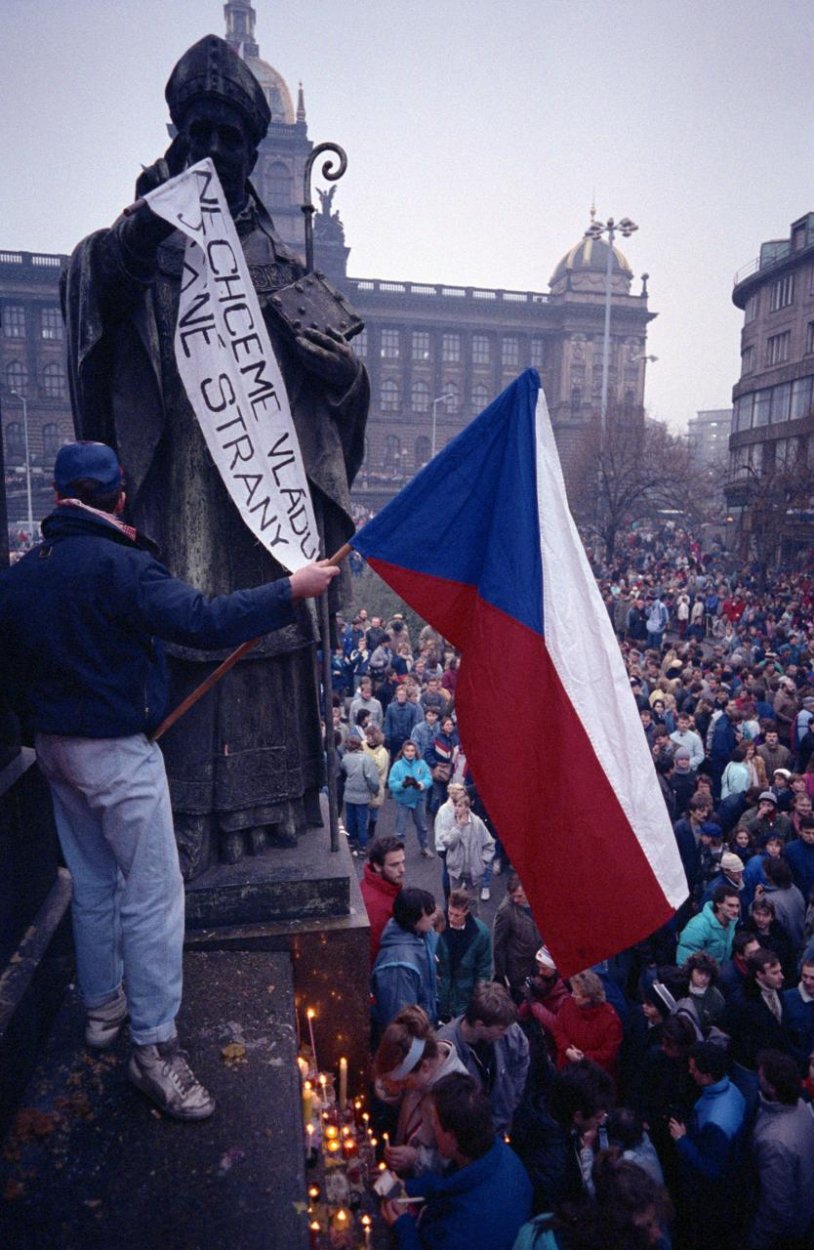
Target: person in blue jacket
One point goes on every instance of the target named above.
(483, 1199)
(83, 617)
(405, 969)
(409, 781)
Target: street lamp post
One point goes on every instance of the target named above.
(24, 402)
(442, 399)
(625, 227)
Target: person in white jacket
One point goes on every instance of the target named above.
(470, 851)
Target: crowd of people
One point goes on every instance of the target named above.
(663, 1097)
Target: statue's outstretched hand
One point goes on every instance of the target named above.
(171, 163)
(328, 356)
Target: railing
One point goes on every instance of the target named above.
(428, 290)
(34, 260)
(760, 265)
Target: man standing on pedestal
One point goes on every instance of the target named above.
(82, 619)
(246, 764)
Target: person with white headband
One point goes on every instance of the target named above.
(408, 1062)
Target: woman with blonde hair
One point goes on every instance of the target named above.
(408, 1062)
(586, 1026)
(373, 746)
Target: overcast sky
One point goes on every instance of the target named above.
(477, 134)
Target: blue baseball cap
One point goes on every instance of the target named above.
(96, 461)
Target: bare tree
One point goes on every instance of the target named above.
(632, 471)
(773, 499)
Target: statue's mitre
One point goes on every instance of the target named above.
(211, 68)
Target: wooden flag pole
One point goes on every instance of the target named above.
(223, 669)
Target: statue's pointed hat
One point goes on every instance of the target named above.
(212, 68)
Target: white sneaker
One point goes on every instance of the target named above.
(103, 1024)
(485, 894)
(163, 1074)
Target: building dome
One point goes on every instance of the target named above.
(275, 89)
(585, 265)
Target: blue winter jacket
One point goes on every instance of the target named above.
(404, 973)
(479, 1207)
(82, 617)
(418, 770)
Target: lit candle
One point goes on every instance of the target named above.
(302, 1064)
(343, 1084)
(309, 1015)
(331, 1131)
(313, 1234)
(341, 1219)
(307, 1102)
(386, 1140)
(367, 1224)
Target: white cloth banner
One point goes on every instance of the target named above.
(231, 374)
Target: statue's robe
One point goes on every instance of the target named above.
(249, 753)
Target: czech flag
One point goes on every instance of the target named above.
(482, 545)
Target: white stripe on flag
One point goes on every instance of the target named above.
(584, 650)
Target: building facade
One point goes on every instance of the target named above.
(708, 436)
(437, 354)
(772, 439)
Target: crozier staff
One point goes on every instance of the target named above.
(83, 617)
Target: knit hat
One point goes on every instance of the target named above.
(730, 862)
(768, 797)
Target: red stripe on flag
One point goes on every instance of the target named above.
(591, 888)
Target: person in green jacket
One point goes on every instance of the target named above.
(464, 956)
(713, 929)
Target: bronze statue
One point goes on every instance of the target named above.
(246, 764)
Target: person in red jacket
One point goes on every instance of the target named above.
(382, 880)
(586, 1026)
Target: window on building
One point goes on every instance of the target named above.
(480, 349)
(53, 381)
(509, 352)
(451, 347)
(747, 360)
(576, 398)
(390, 395)
(785, 454)
(423, 450)
(800, 398)
(536, 354)
(421, 345)
(392, 451)
(781, 403)
(453, 397)
(420, 396)
(763, 403)
(744, 409)
(360, 343)
(782, 292)
(14, 321)
(750, 311)
(810, 338)
(480, 397)
(15, 440)
(17, 376)
(777, 348)
(51, 324)
(51, 441)
(280, 185)
(391, 344)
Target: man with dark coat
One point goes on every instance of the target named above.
(83, 618)
(246, 764)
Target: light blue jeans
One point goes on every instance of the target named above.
(417, 815)
(114, 821)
